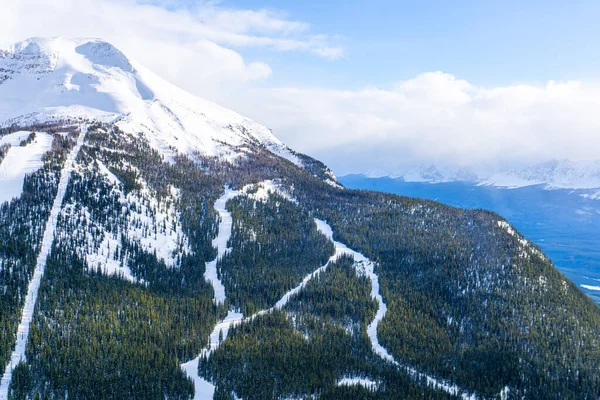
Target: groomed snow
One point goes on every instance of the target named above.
(20, 161)
(203, 388)
(220, 242)
(363, 266)
(18, 353)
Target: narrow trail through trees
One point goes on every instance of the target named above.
(18, 353)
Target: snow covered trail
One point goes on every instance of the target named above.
(220, 242)
(203, 388)
(364, 266)
(34, 285)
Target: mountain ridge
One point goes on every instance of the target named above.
(48, 79)
(553, 174)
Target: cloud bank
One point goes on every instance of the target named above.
(432, 118)
(436, 118)
(194, 47)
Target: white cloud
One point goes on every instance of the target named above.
(190, 47)
(432, 118)
(435, 118)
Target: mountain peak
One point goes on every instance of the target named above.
(40, 55)
(49, 79)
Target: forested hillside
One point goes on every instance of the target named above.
(473, 308)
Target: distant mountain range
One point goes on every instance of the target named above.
(554, 174)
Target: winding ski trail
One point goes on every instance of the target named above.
(18, 353)
(220, 242)
(205, 389)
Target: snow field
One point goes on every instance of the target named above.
(20, 161)
(49, 79)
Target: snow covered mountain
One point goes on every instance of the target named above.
(50, 79)
(563, 174)
(154, 245)
(554, 174)
(429, 173)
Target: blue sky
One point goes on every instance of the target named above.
(486, 42)
(368, 86)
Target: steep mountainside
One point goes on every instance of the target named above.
(167, 248)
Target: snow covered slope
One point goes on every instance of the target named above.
(19, 161)
(46, 79)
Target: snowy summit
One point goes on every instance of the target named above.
(46, 79)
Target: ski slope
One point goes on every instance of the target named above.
(203, 388)
(20, 161)
(220, 242)
(18, 353)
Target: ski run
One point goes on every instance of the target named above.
(363, 266)
(18, 353)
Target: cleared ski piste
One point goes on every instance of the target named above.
(363, 266)
(20, 161)
(18, 353)
(220, 242)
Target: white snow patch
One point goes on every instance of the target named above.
(154, 224)
(284, 152)
(261, 191)
(112, 178)
(522, 241)
(15, 138)
(366, 382)
(333, 183)
(18, 353)
(20, 161)
(592, 196)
